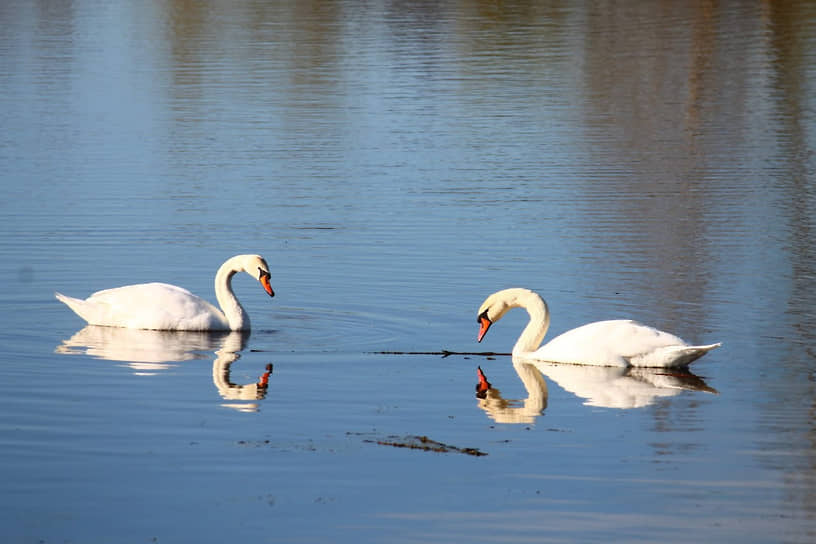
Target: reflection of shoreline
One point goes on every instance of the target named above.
(147, 352)
(607, 387)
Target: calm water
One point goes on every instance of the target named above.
(395, 163)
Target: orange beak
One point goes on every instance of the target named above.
(484, 324)
(264, 279)
(484, 385)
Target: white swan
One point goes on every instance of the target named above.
(619, 343)
(160, 306)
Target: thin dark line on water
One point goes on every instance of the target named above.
(444, 353)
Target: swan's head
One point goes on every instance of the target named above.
(256, 266)
(496, 305)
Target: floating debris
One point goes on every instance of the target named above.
(425, 444)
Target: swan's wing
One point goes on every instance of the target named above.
(617, 342)
(671, 356)
(158, 306)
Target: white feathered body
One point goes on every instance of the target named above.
(621, 343)
(159, 306)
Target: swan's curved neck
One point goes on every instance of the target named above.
(236, 315)
(536, 328)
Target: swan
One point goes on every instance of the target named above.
(160, 306)
(620, 343)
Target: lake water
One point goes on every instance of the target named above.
(395, 163)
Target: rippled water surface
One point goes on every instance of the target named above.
(396, 163)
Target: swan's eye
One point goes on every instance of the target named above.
(483, 315)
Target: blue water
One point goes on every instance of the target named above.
(395, 164)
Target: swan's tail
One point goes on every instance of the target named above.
(689, 354)
(674, 356)
(76, 304)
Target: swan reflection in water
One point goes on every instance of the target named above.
(146, 352)
(607, 387)
(503, 410)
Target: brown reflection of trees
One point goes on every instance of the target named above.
(702, 44)
(228, 45)
(647, 71)
(54, 44)
(186, 21)
(679, 97)
(791, 45)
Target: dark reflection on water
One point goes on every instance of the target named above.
(401, 160)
